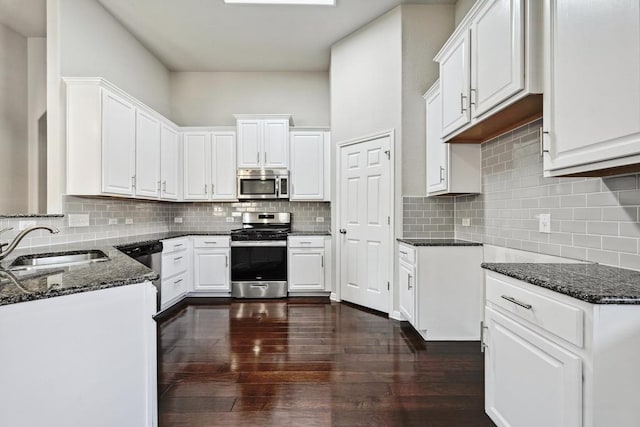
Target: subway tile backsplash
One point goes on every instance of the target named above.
(109, 218)
(428, 217)
(594, 219)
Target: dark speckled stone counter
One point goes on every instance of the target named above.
(309, 233)
(594, 283)
(438, 242)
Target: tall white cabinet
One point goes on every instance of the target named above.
(310, 169)
(209, 165)
(118, 144)
(263, 141)
(451, 168)
(592, 87)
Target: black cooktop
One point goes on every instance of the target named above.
(257, 234)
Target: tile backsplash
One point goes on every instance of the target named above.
(595, 219)
(428, 217)
(109, 218)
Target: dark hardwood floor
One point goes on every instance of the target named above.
(309, 362)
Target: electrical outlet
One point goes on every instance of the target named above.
(319, 219)
(25, 224)
(466, 222)
(177, 220)
(544, 225)
(113, 221)
(128, 221)
(230, 219)
(78, 220)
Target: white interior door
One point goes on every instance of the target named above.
(364, 222)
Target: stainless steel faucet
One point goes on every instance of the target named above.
(20, 236)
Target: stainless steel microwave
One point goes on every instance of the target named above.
(263, 184)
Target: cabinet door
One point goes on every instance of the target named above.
(249, 143)
(196, 166)
(169, 160)
(592, 85)
(407, 291)
(454, 85)
(118, 145)
(497, 54)
(529, 381)
(437, 150)
(211, 270)
(148, 181)
(223, 166)
(307, 165)
(276, 143)
(306, 270)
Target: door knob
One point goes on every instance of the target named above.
(343, 231)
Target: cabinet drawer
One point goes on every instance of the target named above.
(174, 263)
(407, 254)
(306, 242)
(174, 245)
(173, 288)
(210, 242)
(559, 318)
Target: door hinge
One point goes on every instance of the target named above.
(388, 286)
(388, 153)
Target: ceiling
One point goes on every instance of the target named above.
(209, 35)
(27, 17)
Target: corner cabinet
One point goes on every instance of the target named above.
(491, 62)
(308, 263)
(176, 271)
(310, 165)
(209, 165)
(406, 282)
(211, 264)
(592, 88)
(451, 168)
(117, 145)
(263, 141)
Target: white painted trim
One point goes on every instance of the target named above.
(392, 194)
(396, 315)
(334, 297)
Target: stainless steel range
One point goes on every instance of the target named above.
(259, 256)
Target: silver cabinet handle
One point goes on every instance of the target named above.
(210, 243)
(177, 281)
(343, 231)
(205, 189)
(159, 185)
(542, 133)
(441, 174)
(258, 157)
(213, 188)
(265, 157)
(474, 94)
(322, 261)
(482, 344)
(462, 98)
(177, 259)
(516, 302)
(226, 261)
(164, 186)
(133, 181)
(409, 282)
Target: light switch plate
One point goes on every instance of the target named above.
(319, 219)
(544, 223)
(113, 221)
(466, 222)
(177, 220)
(78, 220)
(128, 221)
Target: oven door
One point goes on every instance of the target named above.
(257, 188)
(264, 261)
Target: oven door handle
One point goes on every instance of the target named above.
(262, 243)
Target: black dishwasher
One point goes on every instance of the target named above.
(150, 255)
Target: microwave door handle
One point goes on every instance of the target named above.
(277, 180)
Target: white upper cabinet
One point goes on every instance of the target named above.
(491, 70)
(118, 145)
(148, 183)
(451, 168)
(308, 165)
(263, 141)
(209, 166)
(454, 75)
(169, 155)
(592, 87)
(497, 57)
(223, 169)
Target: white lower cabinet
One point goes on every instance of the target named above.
(211, 264)
(440, 290)
(553, 360)
(307, 264)
(176, 271)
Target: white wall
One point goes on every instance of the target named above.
(13, 122)
(462, 7)
(212, 98)
(425, 29)
(37, 107)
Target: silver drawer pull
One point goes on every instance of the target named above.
(177, 259)
(211, 243)
(178, 245)
(516, 302)
(404, 253)
(305, 243)
(177, 281)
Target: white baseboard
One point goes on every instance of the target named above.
(396, 315)
(334, 297)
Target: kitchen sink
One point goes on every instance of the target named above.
(60, 259)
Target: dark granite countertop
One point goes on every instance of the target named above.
(438, 242)
(32, 216)
(593, 283)
(309, 233)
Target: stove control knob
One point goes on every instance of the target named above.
(343, 231)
